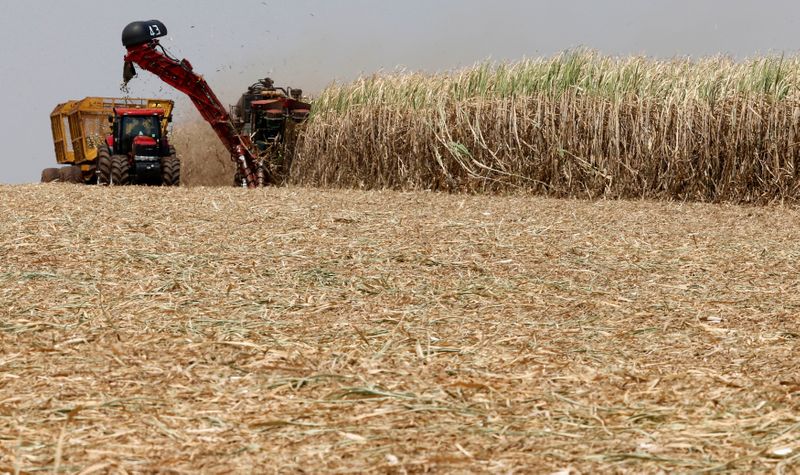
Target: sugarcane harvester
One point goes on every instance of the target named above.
(143, 49)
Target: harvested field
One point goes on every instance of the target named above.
(278, 330)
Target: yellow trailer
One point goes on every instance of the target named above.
(80, 127)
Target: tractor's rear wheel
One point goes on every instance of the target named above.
(120, 171)
(103, 165)
(170, 171)
(49, 175)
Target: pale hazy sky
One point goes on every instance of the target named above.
(53, 50)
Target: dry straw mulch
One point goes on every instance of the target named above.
(279, 330)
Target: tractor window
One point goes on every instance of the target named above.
(147, 126)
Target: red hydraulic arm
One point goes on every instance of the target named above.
(150, 56)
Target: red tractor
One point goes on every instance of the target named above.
(138, 151)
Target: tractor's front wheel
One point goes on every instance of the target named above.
(103, 165)
(170, 171)
(120, 171)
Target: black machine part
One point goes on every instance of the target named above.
(140, 32)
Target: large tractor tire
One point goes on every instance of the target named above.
(120, 171)
(49, 175)
(103, 165)
(170, 171)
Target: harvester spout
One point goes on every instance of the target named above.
(138, 33)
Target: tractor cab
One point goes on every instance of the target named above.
(137, 132)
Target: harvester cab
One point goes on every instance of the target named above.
(264, 109)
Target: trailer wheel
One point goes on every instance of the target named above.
(120, 171)
(103, 165)
(73, 174)
(49, 175)
(170, 171)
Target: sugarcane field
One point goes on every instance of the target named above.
(499, 249)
